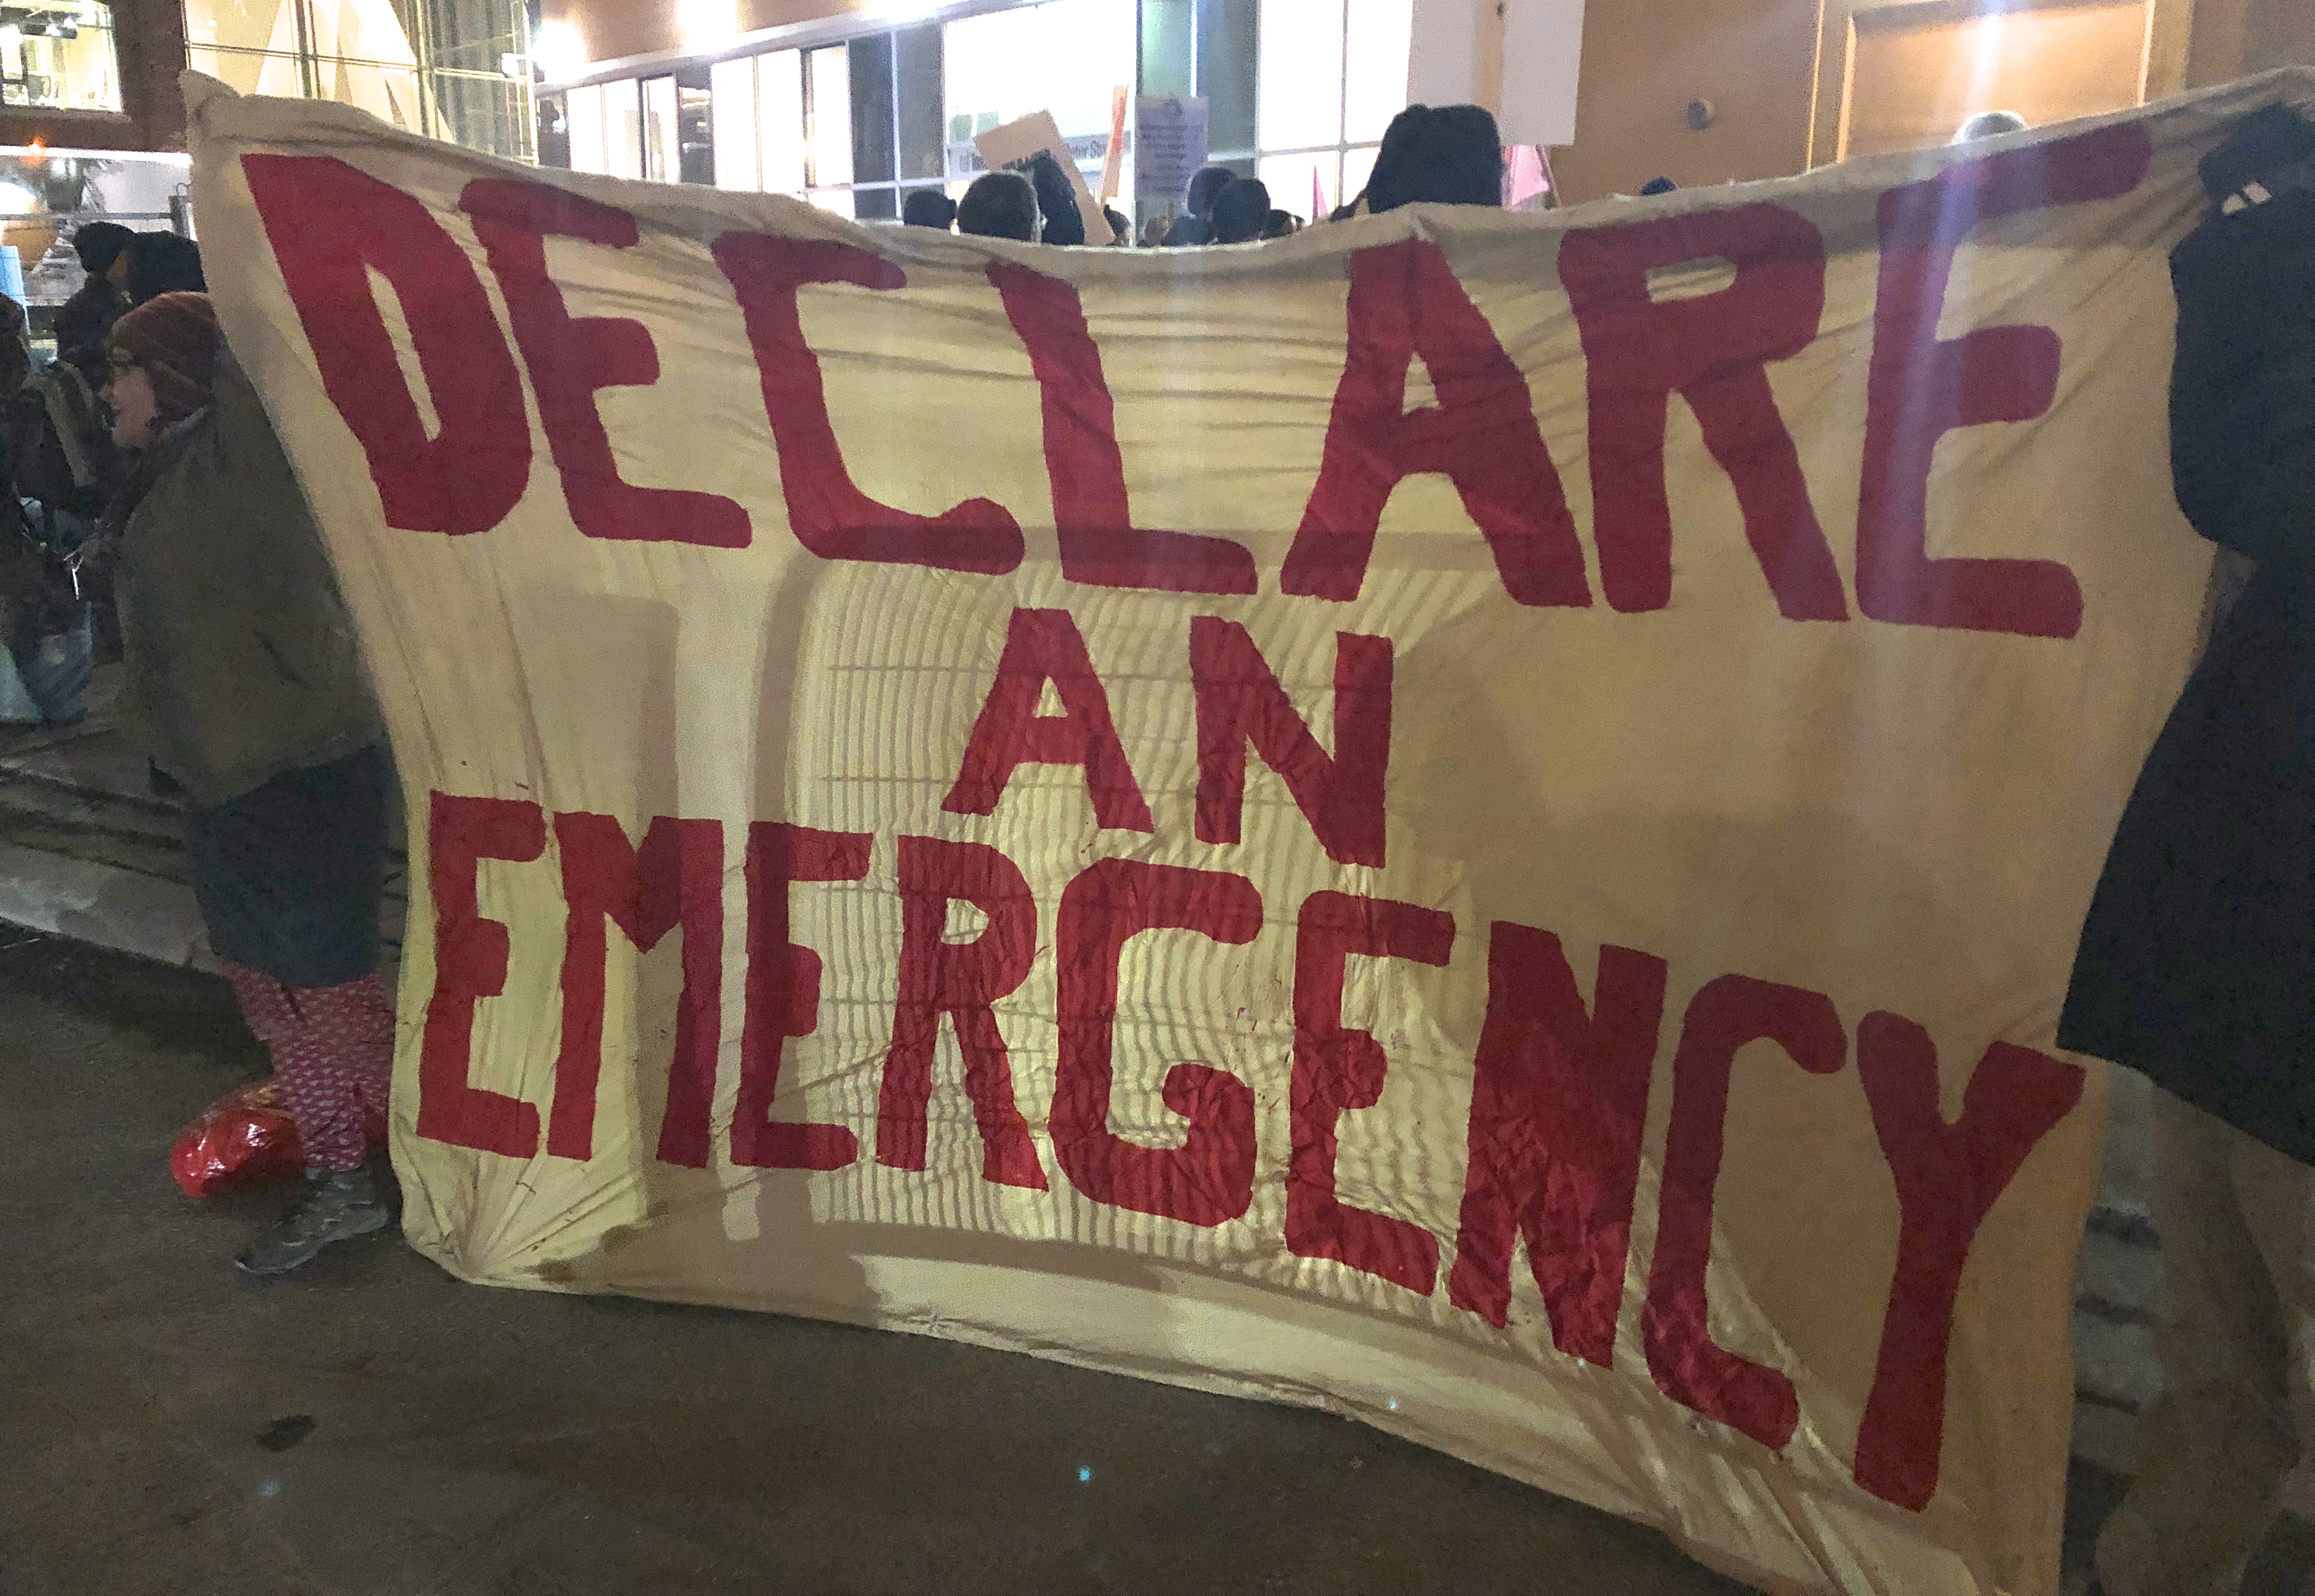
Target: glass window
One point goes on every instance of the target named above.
(1167, 56)
(1228, 48)
(871, 71)
(448, 68)
(623, 129)
(486, 111)
(1290, 179)
(827, 117)
(917, 86)
(739, 162)
(582, 112)
(659, 159)
(241, 24)
(996, 69)
(1332, 73)
(695, 133)
(1299, 102)
(1374, 67)
(248, 72)
(390, 93)
(59, 55)
(779, 109)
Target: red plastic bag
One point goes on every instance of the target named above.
(247, 1135)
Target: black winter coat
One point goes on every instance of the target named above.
(2197, 963)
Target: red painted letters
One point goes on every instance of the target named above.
(1208, 1179)
(675, 879)
(830, 515)
(1712, 350)
(470, 963)
(1405, 302)
(783, 997)
(1041, 646)
(331, 226)
(1559, 1095)
(1100, 544)
(1240, 701)
(1338, 1069)
(1557, 1101)
(1688, 1366)
(571, 357)
(1948, 1177)
(1921, 386)
(962, 979)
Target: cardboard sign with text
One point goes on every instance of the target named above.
(1014, 146)
(1169, 146)
(1479, 820)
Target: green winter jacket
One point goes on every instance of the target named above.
(241, 658)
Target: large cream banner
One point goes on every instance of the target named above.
(1479, 820)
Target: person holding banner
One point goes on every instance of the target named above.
(2196, 965)
(84, 320)
(1438, 154)
(1434, 154)
(998, 205)
(928, 208)
(1194, 225)
(242, 676)
(1063, 223)
(157, 263)
(1241, 211)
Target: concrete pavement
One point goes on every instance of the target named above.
(378, 1427)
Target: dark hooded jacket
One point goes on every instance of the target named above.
(2197, 962)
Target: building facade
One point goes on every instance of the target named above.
(853, 102)
(92, 119)
(852, 112)
(101, 74)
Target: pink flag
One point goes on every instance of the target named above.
(1318, 206)
(1525, 175)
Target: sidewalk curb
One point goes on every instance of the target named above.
(123, 911)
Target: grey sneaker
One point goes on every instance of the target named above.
(334, 1207)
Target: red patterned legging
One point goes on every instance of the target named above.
(333, 1050)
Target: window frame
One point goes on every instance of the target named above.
(845, 193)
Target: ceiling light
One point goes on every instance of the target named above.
(558, 51)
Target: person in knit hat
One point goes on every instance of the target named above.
(243, 679)
(164, 358)
(85, 320)
(157, 263)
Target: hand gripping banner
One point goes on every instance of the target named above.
(1479, 820)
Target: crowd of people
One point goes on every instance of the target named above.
(1443, 155)
(61, 470)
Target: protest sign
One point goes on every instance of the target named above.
(1519, 58)
(1479, 820)
(1016, 144)
(1112, 156)
(1169, 146)
(1543, 52)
